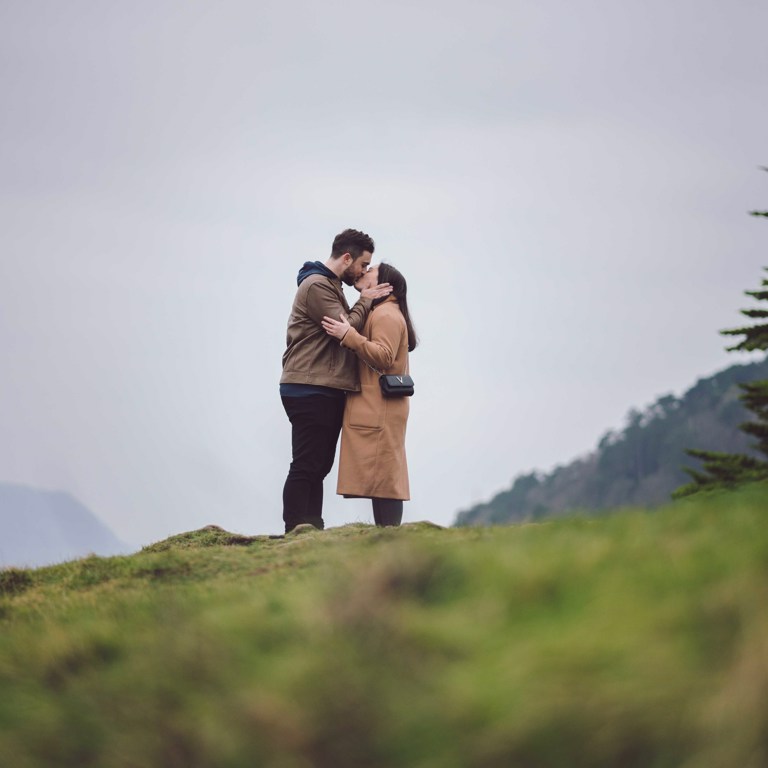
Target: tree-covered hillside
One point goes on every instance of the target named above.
(641, 464)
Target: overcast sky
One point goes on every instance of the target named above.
(564, 184)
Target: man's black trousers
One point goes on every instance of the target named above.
(315, 426)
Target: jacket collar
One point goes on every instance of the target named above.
(385, 301)
(313, 268)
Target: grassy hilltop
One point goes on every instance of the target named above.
(636, 639)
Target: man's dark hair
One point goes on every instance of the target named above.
(353, 242)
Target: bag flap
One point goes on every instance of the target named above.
(396, 381)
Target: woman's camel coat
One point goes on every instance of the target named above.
(372, 461)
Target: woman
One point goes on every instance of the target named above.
(372, 463)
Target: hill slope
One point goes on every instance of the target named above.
(42, 527)
(635, 640)
(640, 465)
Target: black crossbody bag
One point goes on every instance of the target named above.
(396, 386)
(392, 384)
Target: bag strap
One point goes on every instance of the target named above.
(375, 370)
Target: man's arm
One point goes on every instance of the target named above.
(323, 300)
(358, 314)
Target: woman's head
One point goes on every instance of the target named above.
(368, 280)
(386, 273)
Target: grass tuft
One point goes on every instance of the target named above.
(209, 536)
(14, 580)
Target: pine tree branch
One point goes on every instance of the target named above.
(755, 313)
(749, 346)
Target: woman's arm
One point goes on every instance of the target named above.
(380, 351)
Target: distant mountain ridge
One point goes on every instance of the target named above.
(639, 465)
(40, 527)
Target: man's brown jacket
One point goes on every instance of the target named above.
(312, 356)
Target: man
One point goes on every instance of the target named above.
(318, 371)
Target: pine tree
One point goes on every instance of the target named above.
(725, 470)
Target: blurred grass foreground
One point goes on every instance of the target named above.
(635, 639)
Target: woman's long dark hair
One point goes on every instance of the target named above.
(388, 274)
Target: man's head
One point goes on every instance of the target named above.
(351, 255)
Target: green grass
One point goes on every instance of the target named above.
(637, 639)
